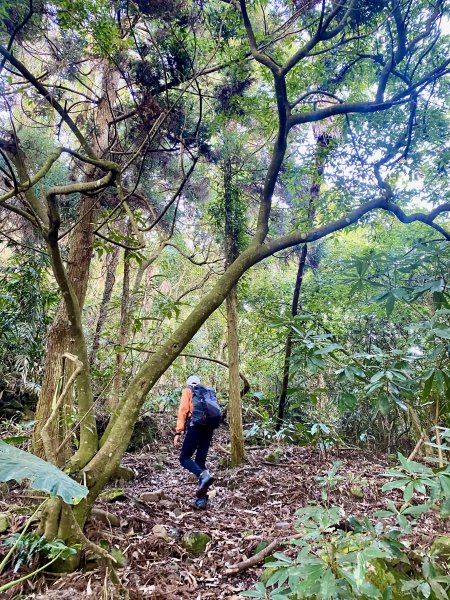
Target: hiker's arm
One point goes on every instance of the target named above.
(183, 413)
(184, 410)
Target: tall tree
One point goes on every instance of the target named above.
(232, 236)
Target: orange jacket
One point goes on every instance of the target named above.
(185, 410)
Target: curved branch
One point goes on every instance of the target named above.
(23, 213)
(352, 217)
(245, 381)
(264, 59)
(26, 185)
(342, 109)
(428, 219)
(17, 29)
(50, 99)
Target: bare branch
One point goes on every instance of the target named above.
(50, 99)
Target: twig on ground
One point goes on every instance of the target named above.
(260, 556)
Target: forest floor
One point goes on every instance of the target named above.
(249, 504)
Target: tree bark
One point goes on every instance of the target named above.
(231, 200)
(59, 336)
(234, 393)
(78, 263)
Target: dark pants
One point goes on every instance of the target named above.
(197, 439)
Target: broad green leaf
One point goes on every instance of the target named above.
(258, 592)
(392, 485)
(409, 491)
(428, 384)
(382, 514)
(417, 510)
(443, 333)
(390, 304)
(327, 585)
(18, 464)
(328, 349)
(444, 480)
(15, 439)
(445, 509)
(377, 376)
(439, 591)
(383, 404)
(414, 467)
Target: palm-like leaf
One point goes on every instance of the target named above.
(17, 464)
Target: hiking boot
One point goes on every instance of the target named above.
(204, 481)
(200, 503)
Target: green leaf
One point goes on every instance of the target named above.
(383, 404)
(18, 464)
(444, 480)
(409, 491)
(425, 589)
(377, 376)
(414, 467)
(382, 514)
(428, 384)
(392, 485)
(417, 510)
(327, 585)
(328, 349)
(390, 304)
(438, 590)
(445, 509)
(443, 333)
(15, 439)
(258, 592)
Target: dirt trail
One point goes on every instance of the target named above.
(249, 504)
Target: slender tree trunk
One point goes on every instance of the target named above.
(123, 332)
(231, 199)
(234, 393)
(112, 260)
(288, 347)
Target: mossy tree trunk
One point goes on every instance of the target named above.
(60, 337)
(232, 234)
(125, 318)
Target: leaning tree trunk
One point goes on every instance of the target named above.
(288, 346)
(78, 263)
(231, 199)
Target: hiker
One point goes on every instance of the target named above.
(198, 415)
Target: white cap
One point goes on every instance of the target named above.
(193, 380)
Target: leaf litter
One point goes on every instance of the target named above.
(248, 505)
